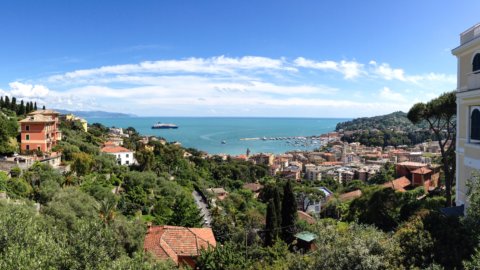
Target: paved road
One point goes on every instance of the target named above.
(202, 205)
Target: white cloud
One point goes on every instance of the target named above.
(387, 94)
(349, 69)
(213, 65)
(23, 90)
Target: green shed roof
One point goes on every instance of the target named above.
(306, 236)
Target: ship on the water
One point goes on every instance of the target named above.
(160, 125)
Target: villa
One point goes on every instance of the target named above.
(468, 110)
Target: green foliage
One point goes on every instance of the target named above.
(8, 132)
(417, 243)
(289, 213)
(271, 228)
(225, 257)
(377, 206)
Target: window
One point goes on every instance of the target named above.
(27, 147)
(27, 137)
(127, 162)
(475, 124)
(27, 128)
(127, 155)
(38, 148)
(476, 63)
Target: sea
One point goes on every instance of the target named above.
(226, 135)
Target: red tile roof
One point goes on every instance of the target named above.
(398, 184)
(255, 187)
(422, 170)
(114, 149)
(350, 195)
(172, 242)
(305, 217)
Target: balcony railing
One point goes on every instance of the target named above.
(470, 34)
(473, 80)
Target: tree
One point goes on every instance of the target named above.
(271, 226)
(43, 107)
(13, 104)
(21, 108)
(82, 163)
(7, 102)
(440, 114)
(289, 213)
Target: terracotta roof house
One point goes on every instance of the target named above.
(123, 155)
(350, 195)
(181, 245)
(398, 184)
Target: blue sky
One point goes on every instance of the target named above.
(231, 58)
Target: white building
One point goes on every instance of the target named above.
(123, 155)
(316, 207)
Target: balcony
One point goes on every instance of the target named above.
(473, 80)
(470, 34)
(58, 136)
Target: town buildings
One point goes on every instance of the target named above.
(468, 110)
(39, 131)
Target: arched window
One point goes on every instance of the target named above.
(476, 63)
(475, 124)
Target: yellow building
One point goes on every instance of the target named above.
(468, 109)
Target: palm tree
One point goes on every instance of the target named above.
(106, 210)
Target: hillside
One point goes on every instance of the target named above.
(391, 129)
(393, 121)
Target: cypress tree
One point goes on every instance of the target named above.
(43, 108)
(278, 206)
(35, 106)
(27, 107)
(21, 109)
(271, 228)
(1, 102)
(7, 102)
(13, 104)
(289, 213)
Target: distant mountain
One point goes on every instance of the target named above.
(393, 121)
(95, 114)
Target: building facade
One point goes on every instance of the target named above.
(468, 110)
(39, 131)
(123, 155)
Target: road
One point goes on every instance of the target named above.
(202, 205)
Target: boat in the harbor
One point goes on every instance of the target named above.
(160, 125)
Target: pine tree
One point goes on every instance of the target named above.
(21, 109)
(289, 213)
(271, 226)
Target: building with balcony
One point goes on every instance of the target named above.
(468, 110)
(39, 131)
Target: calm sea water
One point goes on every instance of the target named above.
(207, 133)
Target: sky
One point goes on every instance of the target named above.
(332, 58)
